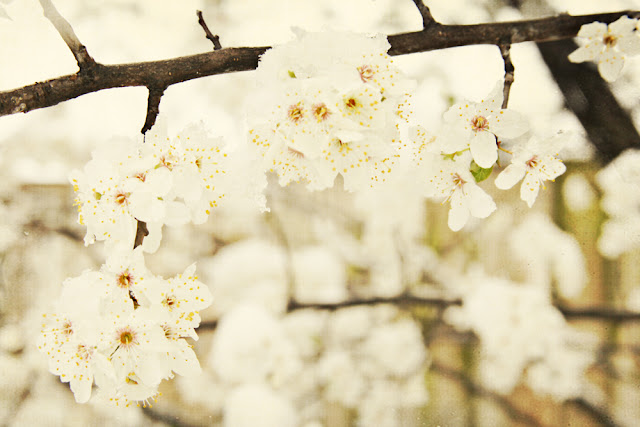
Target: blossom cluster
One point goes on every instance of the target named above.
(333, 103)
(127, 334)
(522, 333)
(452, 163)
(328, 104)
(158, 181)
(608, 45)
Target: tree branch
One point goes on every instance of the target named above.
(171, 71)
(214, 39)
(63, 27)
(153, 108)
(427, 18)
(141, 233)
(609, 127)
(509, 70)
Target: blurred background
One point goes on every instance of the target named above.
(340, 309)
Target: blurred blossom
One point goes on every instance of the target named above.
(620, 184)
(577, 192)
(250, 345)
(320, 276)
(547, 255)
(518, 329)
(253, 405)
(232, 283)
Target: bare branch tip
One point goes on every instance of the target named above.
(79, 51)
(153, 108)
(427, 18)
(214, 38)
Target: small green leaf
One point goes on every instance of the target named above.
(97, 195)
(292, 74)
(480, 174)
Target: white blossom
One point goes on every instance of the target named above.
(608, 45)
(328, 104)
(480, 127)
(537, 162)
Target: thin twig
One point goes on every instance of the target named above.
(509, 69)
(427, 18)
(153, 108)
(63, 27)
(214, 39)
(141, 233)
(171, 71)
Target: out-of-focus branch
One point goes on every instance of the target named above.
(514, 413)
(214, 38)
(171, 71)
(63, 27)
(608, 126)
(598, 414)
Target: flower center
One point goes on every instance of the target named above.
(351, 103)
(533, 162)
(84, 352)
(366, 73)
(169, 301)
(121, 198)
(321, 112)
(479, 123)
(295, 153)
(127, 337)
(125, 279)
(458, 181)
(141, 176)
(66, 328)
(609, 40)
(295, 113)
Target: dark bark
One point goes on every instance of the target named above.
(161, 74)
(607, 124)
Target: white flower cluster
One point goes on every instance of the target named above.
(464, 152)
(520, 331)
(608, 45)
(620, 184)
(127, 334)
(328, 104)
(160, 181)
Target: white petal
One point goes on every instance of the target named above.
(553, 168)
(459, 212)
(151, 242)
(610, 65)
(81, 388)
(585, 53)
(630, 44)
(623, 26)
(510, 176)
(493, 102)
(458, 112)
(594, 29)
(481, 205)
(484, 149)
(508, 124)
(530, 188)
